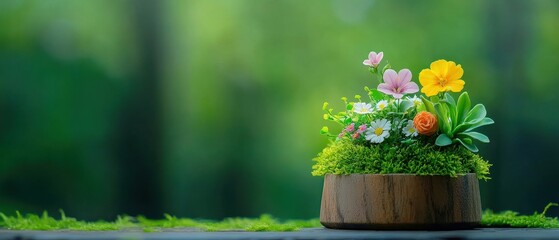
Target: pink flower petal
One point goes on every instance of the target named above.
(405, 76)
(385, 88)
(378, 58)
(391, 78)
(367, 62)
(397, 95)
(410, 87)
(372, 56)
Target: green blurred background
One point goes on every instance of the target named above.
(210, 109)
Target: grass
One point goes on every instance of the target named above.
(264, 223)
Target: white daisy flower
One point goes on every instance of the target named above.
(362, 108)
(378, 131)
(381, 105)
(416, 101)
(409, 130)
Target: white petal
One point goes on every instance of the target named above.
(382, 122)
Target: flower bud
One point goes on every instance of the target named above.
(324, 106)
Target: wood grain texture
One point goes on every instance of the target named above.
(400, 201)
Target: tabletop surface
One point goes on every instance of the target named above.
(310, 233)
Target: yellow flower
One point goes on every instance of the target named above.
(441, 77)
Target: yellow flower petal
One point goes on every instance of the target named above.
(455, 85)
(439, 67)
(455, 72)
(427, 77)
(432, 90)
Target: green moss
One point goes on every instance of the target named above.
(514, 220)
(345, 157)
(48, 223)
(265, 223)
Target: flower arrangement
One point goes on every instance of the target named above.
(397, 130)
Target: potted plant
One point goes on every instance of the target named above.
(403, 161)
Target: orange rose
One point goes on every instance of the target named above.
(426, 123)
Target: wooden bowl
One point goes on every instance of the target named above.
(400, 201)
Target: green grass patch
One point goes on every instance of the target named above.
(265, 223)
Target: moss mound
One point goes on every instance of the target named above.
(345, 157)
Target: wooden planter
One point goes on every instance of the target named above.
(400, 201)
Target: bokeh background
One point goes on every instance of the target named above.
(211, 109)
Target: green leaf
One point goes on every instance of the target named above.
(466, 126)
(376, 95)
(483, 122)
(463, 106)
(443, 140)
(453, 116)
(324, 106)
(449, 99)
(349, 106)
(435, 99)
(428, 105)
(475, 135)
(324, 130)
(420, 108)
(405, 105)
(476, 114)
(443, 118)
(468, 144)
(451, 104)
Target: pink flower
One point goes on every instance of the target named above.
(342, 134)
(397, 84)
(362, 128)
(374, 59)
(356, 135)
(350, 128)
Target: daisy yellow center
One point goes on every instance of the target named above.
(363, 110)
(381, 106)
(379, 131)
(411, 130)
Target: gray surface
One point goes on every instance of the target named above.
(312, 233)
